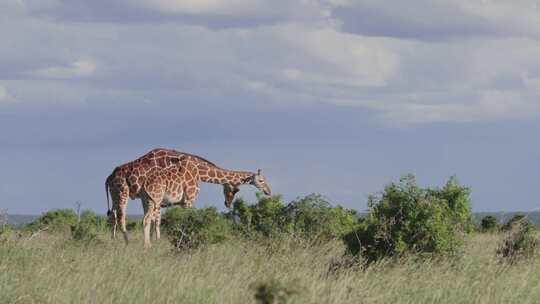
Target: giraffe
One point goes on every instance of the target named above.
(162, 188)
(156, 171)
(127, 180)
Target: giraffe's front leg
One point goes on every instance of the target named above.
(157, 222)
(152, 197)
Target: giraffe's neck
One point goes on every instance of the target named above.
(221, 176)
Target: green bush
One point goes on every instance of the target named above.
(266, 217)
(193, 228)
(521, 240)
(314, 218)
(457, 198)
(242, 215)
(407, 219)
(88, 217)
(55, 221)
(489, 223)
(85, 232)
(311, 217)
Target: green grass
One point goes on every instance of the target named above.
(52, 269)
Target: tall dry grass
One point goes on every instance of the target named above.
(52, 269)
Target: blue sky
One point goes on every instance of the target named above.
(338, 97)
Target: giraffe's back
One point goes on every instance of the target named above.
(136, 172)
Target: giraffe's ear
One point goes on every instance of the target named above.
(258, 171)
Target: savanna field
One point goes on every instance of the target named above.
(51, 269)
(408, 249)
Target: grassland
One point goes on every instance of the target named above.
(51, 268)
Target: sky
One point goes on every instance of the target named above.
(337, 97)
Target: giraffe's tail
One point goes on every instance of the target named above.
(107, 194)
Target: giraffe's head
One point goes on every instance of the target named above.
(229, 191)
(259, 181)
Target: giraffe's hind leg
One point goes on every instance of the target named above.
(113, 219)
(114, 224)
(119, 195)
(122, 208)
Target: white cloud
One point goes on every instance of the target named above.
(439, 19)
(80, 68)
(339, 59)
(287, 63)
(212, 7)
(215, 14)
(506, 104)
(482, 105)
(257, 11)
(522, 16)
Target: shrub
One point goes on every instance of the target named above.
(55, 220)
(489, 223)
(521, 240)
(193, 228)
(314, 218)
(242, 215)
(457, 198)
(408, 219)
(85, 232)
(266, 217)
(311, 217)
(88, 217)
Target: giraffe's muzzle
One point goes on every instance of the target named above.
(267, 190)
